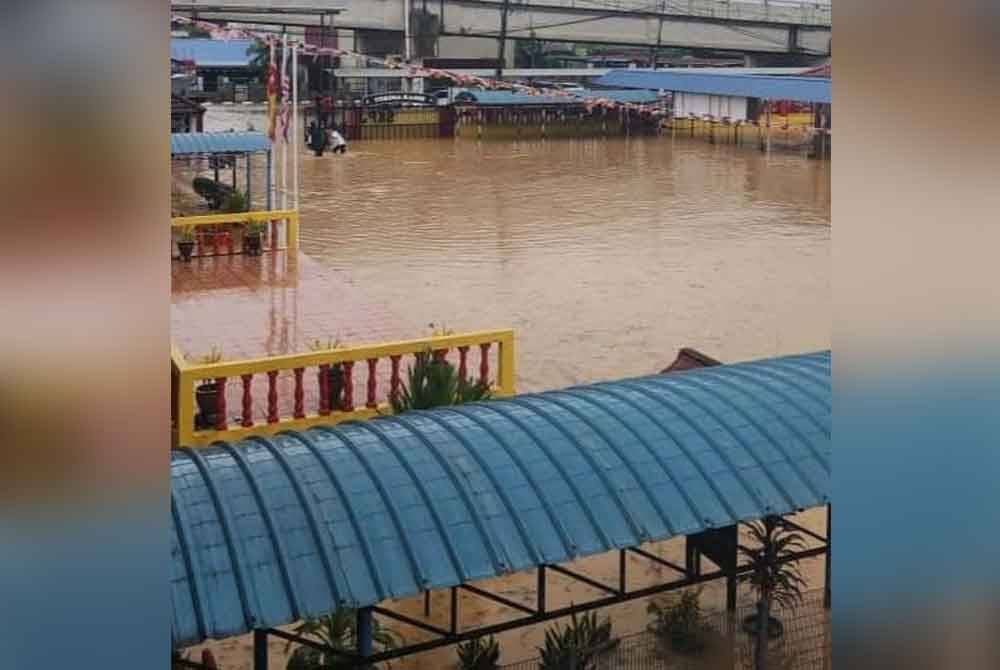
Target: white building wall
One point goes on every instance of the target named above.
(716, 106)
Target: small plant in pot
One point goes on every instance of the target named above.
(253, 233)
(336, 373)
(206, 394)
(185, 243)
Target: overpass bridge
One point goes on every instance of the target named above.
(753, 27)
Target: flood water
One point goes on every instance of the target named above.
(604, 255)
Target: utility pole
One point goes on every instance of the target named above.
(503, 39)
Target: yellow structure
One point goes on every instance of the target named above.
(188, 375)
(289, 217)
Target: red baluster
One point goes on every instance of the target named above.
(199, 243)
(272, 396)
(324, 389)
(300, 412)
(229, 242)
(220, 403)
(394, 379)
(247, 402)
(463, 354)
(274, 234)
(372, 381)
(484, 362)
(348, 403)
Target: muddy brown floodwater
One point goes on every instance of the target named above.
(604, 255)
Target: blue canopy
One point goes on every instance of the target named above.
(212, 53)
(268, 531)
(770, 87)
(186, 144)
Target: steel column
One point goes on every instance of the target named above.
(826, 577)
(259, 649)
(453, 627)
(364, 631)
(270, 183)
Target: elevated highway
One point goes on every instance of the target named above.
(772, 27)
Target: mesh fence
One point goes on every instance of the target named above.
(804, 644)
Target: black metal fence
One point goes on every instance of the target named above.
(804, 644)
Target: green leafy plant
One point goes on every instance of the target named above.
(187, 234)
(678, 621)
(577, 646)
(481, 653)
(336, 374)
(338, 632)
(233, 202)
(774, 579)
(255, 228)
(434, 382)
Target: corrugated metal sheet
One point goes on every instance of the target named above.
(182, 144)
(211, 53)
(801, 89)
(268, 531)
(496, 98)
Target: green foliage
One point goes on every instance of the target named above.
(774, 579)
(255, 228)
(434, 382)
(678, 622)
(577, 646)
(215, 193)
(338, 631)
(479, 654)
(187, 234)
(234, 201)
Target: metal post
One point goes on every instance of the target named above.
(622, 581)
(427, 603)
(260, 650)
(829, 540)
(503, 40)
(249, 179)
(731, 593)
(270, 180)
(364, 626)
(541, 589)
(454, 611)
(295, 127)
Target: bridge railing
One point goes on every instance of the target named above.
(229, 400)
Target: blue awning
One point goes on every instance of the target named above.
(212, 53)
(508, 98)
(268, 531)
(800, 89)
(186, 144)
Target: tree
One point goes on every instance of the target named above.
(338, 632)
(774, 578)
(479, 654)
(577, 646)
(433, 382)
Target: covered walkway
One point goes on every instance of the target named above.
(266, 532)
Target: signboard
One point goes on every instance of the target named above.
(400, 99)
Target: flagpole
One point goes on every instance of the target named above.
(295, 127)
(273, 163)
(284, 123)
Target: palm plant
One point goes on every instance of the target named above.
(338, 633)
(481, 653)
(577, 646)
(434, 382)
(774, 578)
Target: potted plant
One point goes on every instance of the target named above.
(481, 653)
(577, 646)
(185, 243)
(678, 622)
(338, 633)
(774, 579)
(335, 375)
(206, 393)
(252, 235)
(435, 383)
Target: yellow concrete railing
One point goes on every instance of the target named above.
(275, 218)
(287, 397)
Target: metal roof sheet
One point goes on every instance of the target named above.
(495, 98)
(268, 531)
(211, 53)
(182, 144)
(801, 89)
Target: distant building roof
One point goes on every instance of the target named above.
(187, 144)
(798, 88)
(211, 53)
(495, 98)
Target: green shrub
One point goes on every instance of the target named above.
(479, 654)
(577, 646)
(435, 383)
(678, 622)
(338, 631)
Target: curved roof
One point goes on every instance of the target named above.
(801, 89)
(267, 531)
(185, 144)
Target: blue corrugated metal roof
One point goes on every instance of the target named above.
(801, 89)
(211, 53)
(497, 98)
(268, 531)
(182, 144)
